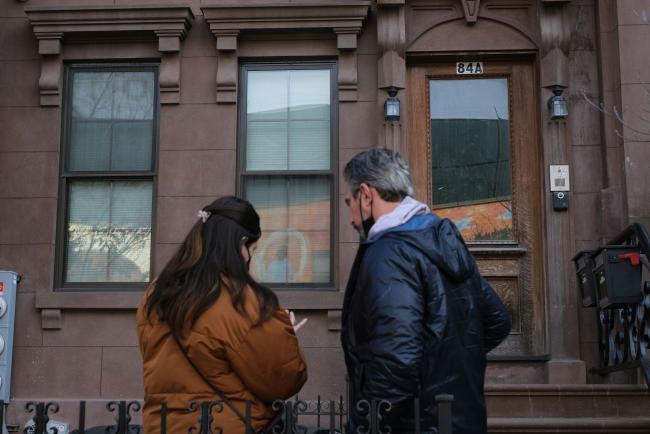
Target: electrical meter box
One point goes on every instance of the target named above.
(617, 272)
(8, 284)
(585, 276)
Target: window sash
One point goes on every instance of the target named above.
(69, 95)
(246, 173)
(295, 217)
(67, 177)
(92, 247)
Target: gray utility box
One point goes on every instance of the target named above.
(8, 284)
(617, 272)
(585, 277)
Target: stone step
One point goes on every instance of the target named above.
(567, 401)
(572, 425)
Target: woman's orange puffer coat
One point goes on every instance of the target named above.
(244, 362)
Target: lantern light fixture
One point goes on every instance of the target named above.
(557, 104)
(391, 106)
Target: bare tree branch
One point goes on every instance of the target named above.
(616, 114)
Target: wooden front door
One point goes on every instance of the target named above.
(474, 150)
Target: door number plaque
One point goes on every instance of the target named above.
(469, 68)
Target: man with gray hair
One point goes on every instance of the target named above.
(418, 319)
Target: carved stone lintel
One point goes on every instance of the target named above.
(51, 24)
(344, 17)
(295, 15)
(470, 8)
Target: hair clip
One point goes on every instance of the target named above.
(203, 215)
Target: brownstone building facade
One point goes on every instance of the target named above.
(120, 119)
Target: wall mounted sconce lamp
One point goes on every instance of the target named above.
(391, 106)
(557, 104)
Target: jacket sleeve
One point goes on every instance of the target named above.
(395, 309)
(496, 320)
(269, 360)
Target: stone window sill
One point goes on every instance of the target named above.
(51, 304)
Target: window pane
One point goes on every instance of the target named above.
(288, 120)
(267, 95)
(112, 121)
(127, 152)
(309, 94)
(309, 145)
(295, 215)
(90, 145)
(108, 231)
(470, 151)
(266, 146)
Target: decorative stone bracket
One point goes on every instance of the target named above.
(391, 39)
(52, 25)
(344, 18)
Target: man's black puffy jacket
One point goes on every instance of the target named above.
(418, 316)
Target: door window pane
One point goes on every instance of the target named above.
(288, 120)
(295, 216)
(470, 154)
(111, 125)
(108, 231)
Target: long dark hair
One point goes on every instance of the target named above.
(209, 260)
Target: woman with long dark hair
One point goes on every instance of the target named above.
(209, 332)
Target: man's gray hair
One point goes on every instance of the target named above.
(382, 169)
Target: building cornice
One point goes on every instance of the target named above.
(330, 14)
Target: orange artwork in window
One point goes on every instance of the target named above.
(295, 244)
(483, 222)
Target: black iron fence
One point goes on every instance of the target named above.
(296, 416)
